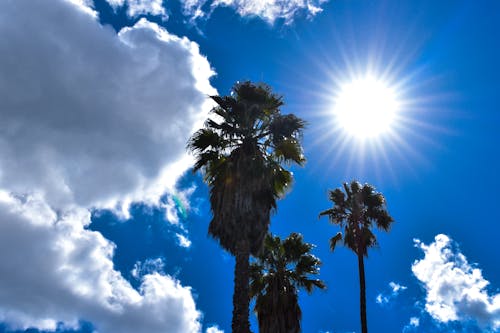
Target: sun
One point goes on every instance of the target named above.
(366, 107)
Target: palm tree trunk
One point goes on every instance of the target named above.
(241, 296)
(362, 293)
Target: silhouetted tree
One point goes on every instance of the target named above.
(281, 269)
(356, 210)
(242, 150)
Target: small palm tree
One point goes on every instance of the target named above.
(242, 151)
(281, 269)
(356, 211)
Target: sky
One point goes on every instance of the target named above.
(103, 226)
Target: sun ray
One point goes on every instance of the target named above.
(410, 132)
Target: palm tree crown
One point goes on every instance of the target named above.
(280, 270)
(242, 150)
(356, 211)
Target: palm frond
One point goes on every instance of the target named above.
(225, 103)
(289, 150)
(327, 212)
(355, 209)
(283, 267)
(334, 240)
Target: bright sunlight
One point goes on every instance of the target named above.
(366, 107)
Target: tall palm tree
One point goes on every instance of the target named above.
(356, 211)
(242, 150)
(280, 270)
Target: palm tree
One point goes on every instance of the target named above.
(356, 211)
(275, 278)
(242, 151)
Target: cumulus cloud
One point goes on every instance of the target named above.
(455, 289)
(55, 270)
(268, 10)
(90, 119)
(141, 7)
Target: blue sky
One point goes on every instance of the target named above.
(104, 228)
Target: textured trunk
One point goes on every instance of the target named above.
(362, 293)
(281, 319)
(241, 296)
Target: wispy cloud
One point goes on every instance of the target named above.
(214, 329)
(177, 205)
(455, 289)
(149, 266)
(386, 297)
(414, 321)
(141, 7)
(412, 325)
(183, 240)
(268, 10)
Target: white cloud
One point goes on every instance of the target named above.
(54, 270)
(414, 321)
(194, 8)
(116, 3)
(412, 326)
(90, 119)
(183, 240)
(171, 211)
(456, 290)
(395, 290)
(268, 10)
(177, 205)
(141, 7)
(214, 329)
(149, 266)
(381, 299)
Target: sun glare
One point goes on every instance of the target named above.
(366, 107)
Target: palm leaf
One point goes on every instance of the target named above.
(334, 240)
(281, 269)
